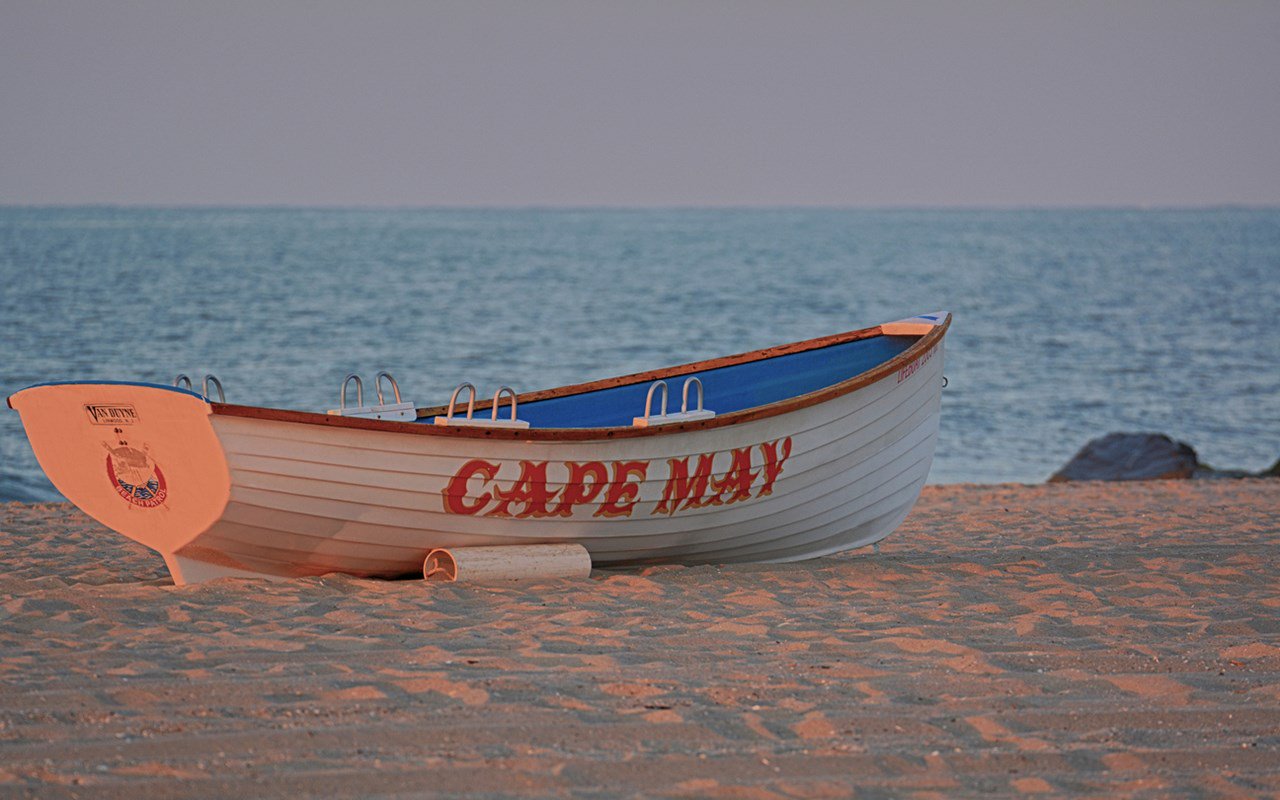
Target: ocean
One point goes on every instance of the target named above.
(1068, 323)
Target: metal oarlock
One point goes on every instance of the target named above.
(183, 381)
(684, 402)
(450, 418)
(497, 398)
(683, 415)
(648, 399)
(397, 411)
(377, 385)
(342, 393)
(471, 399)
(204, 387)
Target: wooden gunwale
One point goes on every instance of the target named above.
(919, 348)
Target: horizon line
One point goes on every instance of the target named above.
(1220, 206)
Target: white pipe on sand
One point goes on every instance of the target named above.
(507, 564)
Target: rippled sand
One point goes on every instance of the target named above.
(1086, 638)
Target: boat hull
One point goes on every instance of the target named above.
(259, 495)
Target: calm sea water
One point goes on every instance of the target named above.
(1068, 324)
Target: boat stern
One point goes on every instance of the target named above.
(141, 459)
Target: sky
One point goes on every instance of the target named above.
(989, 103)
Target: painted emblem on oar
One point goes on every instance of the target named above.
(135, 475)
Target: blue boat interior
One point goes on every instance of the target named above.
(726, 389)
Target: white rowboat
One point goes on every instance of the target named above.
(791, 452)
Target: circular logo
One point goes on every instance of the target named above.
(136, 477)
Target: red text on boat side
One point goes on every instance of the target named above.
(557, 488)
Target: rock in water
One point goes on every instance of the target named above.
(1130, 457)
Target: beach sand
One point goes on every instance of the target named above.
(1085, 638)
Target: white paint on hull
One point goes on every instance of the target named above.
(369, 502)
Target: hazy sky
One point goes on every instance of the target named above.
(993, 103)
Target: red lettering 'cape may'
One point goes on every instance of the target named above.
(780, 454)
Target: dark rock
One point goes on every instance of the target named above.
(1130, 457)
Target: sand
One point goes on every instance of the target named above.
(1117, 639)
